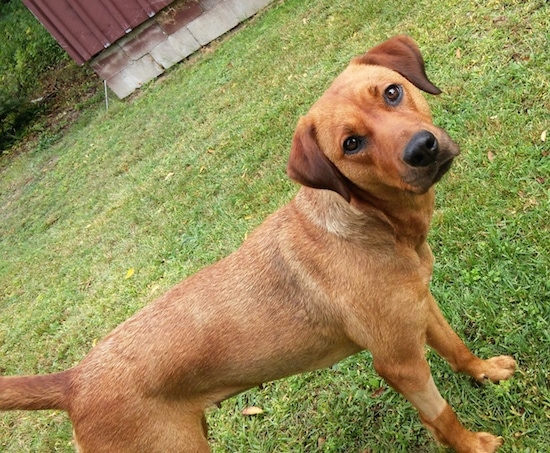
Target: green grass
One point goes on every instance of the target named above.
(176, 177)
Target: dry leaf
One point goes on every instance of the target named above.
(378, 392)
(491, 156)
(543, 135)
(129, 273)
(168, 176)
(320, 442)
(252, 410)
(458, 53)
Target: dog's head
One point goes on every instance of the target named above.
(372, 129)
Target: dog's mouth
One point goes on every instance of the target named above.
(443, 168)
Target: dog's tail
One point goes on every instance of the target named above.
(49, 391)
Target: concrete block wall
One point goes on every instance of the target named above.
(173, 34)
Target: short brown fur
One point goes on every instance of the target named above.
(343, 267)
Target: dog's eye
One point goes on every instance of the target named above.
(393, 94)
(353, 144)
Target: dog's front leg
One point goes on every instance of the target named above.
(412, 378)
(448, 345)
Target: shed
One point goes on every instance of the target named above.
(130, 42)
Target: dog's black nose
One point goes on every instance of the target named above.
(422, 150)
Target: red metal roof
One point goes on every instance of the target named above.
(85, 27)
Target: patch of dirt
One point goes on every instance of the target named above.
(62, 93)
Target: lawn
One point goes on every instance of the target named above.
(131, 200)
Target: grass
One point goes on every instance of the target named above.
(130, 200)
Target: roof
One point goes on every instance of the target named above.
(86, 27)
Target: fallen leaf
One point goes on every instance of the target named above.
(168, 176)
(320, 442)
(378, 392)
(129, 273)
(458, 53)
(252, 410)
(543, 135)
(491, 156)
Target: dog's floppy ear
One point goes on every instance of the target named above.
(402, 55)
(309, 166)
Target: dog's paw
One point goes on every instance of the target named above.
(475, 443)
(496, 368)
(483, 443)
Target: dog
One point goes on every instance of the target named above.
(343, 267)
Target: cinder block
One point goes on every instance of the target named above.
(121, 86)
(165, 55)
(142, 70)
(110, 62)
(207, 5)
(178, 46)
(213, 23)
(141, 40)
(183, 41)
(243, 9)
(177, 15)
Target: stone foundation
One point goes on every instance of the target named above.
(173, 34)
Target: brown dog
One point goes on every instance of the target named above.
(343, 267)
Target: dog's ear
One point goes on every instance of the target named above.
(402, 55)
(309, 166)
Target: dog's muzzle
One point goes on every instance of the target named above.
(427, 159)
